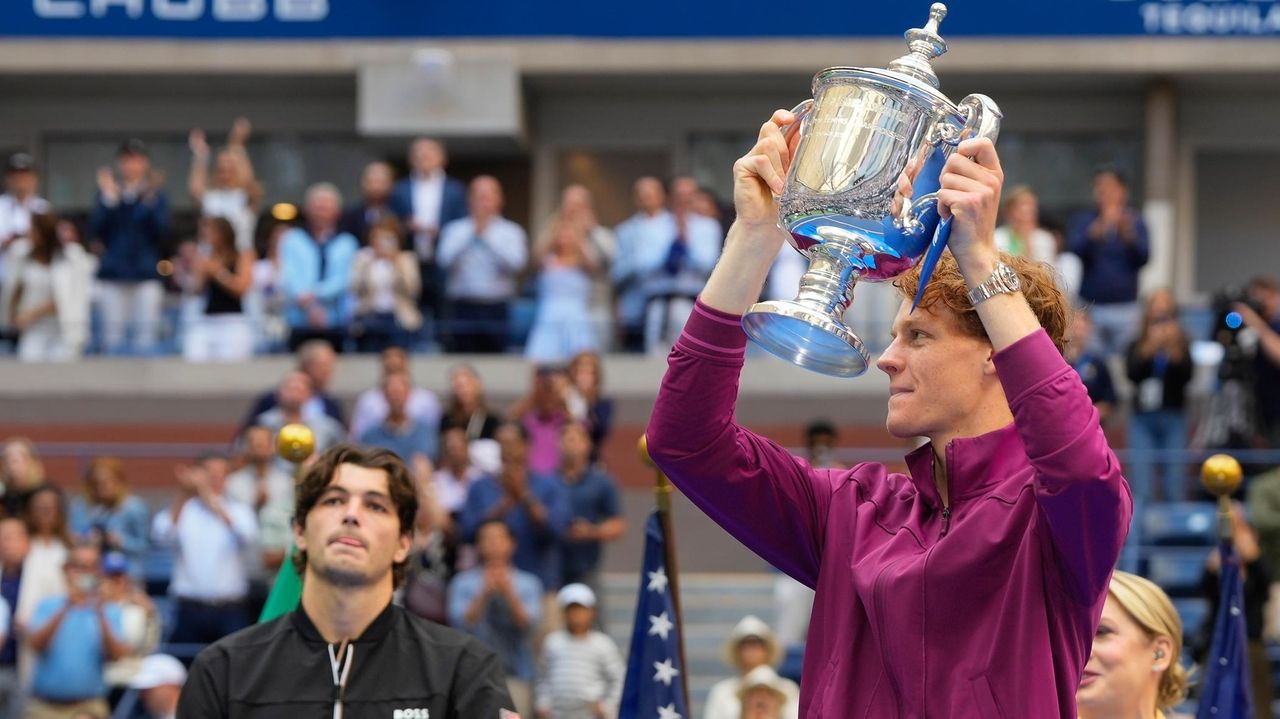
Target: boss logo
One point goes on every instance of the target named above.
(186, 10)
(411, 714)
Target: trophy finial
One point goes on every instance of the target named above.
(924, 44)
(1221, 475)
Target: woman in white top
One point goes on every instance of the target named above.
(386, 282)
(46, 294)
(42, 575)
(234, 193)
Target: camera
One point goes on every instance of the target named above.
(1236, 361)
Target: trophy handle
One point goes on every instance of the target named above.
(801, 112)
(981, 119)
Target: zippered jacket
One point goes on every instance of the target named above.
(402, 667)
(984, 608)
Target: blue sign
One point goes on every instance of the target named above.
(317, 19)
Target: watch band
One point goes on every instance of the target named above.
(1002, 280)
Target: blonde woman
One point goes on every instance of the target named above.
(1134, 668)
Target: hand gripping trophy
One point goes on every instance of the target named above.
(863, 130)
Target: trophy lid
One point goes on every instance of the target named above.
(924, 44)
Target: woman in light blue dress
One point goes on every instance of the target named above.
(562, 326)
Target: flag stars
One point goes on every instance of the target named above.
(668, 712)
(658, 580)
(660, 626)
(664, 672)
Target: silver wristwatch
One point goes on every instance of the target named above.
(1002, 280)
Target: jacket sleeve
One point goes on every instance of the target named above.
(768, 499)
(102, 219)
(1140, 249)
(479, 686)
(204, 695)
(1263, 501)
(1083, 498)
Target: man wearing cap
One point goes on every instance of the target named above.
(19, 201)
(764, 694)
(581, 671)
(751, 646)
(159, 683)
(130, 219)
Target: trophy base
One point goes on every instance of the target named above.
(807, 337)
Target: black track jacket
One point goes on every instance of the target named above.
(402, 667)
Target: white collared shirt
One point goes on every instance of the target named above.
(211, 558)
(428, 197)
(482, 266)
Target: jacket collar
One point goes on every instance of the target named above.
(375, 632)
(975, 465)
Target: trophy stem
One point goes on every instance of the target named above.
(828, 284)
(810, 330)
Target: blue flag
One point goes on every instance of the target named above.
(655, 678)
(1225, 692)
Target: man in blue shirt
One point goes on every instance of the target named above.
(316, 262)
(534, 507)
(400, 433)
(501, 606)
(594, 507)
(1112, 244)
(73, 636)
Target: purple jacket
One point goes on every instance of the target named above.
(985, 609)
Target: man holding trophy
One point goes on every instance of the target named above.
(972, 585)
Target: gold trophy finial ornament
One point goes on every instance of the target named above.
(1221, 475)
(295, 442)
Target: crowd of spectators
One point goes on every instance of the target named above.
(515, 505)
(423, 262)
(515, 511)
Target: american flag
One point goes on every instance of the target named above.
(1226, 692)
(654, 687)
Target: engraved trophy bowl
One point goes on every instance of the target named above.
(862, 131)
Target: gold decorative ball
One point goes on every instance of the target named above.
(1221, 475)
(295, 442)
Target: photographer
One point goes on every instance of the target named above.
(73, 636)
(1264, 295)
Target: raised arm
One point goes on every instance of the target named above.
(771, 501)
(1083, 498)
(198, 179)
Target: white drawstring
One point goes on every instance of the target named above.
(345, 651)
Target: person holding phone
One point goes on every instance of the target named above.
(971, 585)
(73, 636)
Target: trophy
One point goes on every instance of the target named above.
(863, 130)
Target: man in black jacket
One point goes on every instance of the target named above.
(347, 651)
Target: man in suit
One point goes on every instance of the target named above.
(428, 200)
(377, 202)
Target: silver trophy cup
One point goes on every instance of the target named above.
(862, 131)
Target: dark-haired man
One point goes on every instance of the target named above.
(347, 650)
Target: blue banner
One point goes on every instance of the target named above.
(317, 19)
